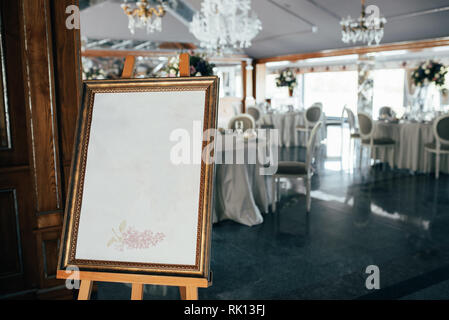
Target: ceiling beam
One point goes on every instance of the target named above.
(146, 53)
(408, 45)
(283, 8)
(324, 9)
(125, 53)
(417, 13)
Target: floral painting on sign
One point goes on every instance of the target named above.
(129, 238)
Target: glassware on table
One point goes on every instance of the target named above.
(239, 127)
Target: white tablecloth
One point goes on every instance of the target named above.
(409, 150)
(286, 123)
(242, 194)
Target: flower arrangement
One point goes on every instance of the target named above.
(199, 66)
(286, 78)
(172, 67)
(428, 72)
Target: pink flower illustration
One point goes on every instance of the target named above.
(130, 238)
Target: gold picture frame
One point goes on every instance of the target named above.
(73, 212)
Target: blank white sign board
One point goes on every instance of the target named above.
(127, 175)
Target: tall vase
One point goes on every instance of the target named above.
(420, 102)
(365, 98)
(290, 92)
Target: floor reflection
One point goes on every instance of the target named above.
(360, 216)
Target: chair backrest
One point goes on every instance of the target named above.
(311, 144)
(386, 112)
(254, 112)
(313, 114)
(441, 129)
(366, 126)
(351, 119)
(342, 118)
(247, 121)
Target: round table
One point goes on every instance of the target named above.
(242, 193)
(287, 122)
(410, 153)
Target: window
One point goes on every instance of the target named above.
(279, 95)
(230, 81)
(333, 89)
(388, 90)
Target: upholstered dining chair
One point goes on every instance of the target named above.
(311, 117)
(246, 120)
(354, 133)
(254, 112)
(353, 130)
(294, 169)
(441, 144)
(366, 131)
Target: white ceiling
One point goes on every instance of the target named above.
(287, 24)
(108, 21)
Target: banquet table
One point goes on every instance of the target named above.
(287, 122)
(409, 153)
(242, 193)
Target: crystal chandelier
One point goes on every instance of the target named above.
(367, 29)
(224, 25)
(143, 15)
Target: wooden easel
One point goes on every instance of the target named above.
(188, 287)
(184, 66)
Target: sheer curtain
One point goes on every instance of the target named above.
(409, 88)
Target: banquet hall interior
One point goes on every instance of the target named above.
(357, 110)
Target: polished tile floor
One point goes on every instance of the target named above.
(392, 219)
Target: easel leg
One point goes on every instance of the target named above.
(184, 65)
(137, 291)
(182, 292)
(128, 68)
(85, 290)
(188, 293)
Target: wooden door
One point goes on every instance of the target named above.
(41, 85)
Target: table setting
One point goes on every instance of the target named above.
(242, 192)
(411, 136)
(286, 120)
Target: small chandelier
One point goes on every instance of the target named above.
(143, 15)
(224, 25)
(365, 29)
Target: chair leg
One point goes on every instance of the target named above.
(273, 194)
(360, 156)
(437, 166)
(308, 185)
(371, 153)
(392, 160)
(278, 190)
(341, 141)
